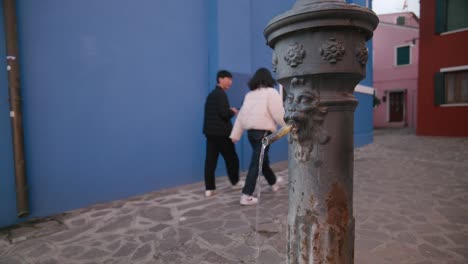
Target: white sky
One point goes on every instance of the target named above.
(394, 6)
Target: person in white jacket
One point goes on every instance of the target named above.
(260, 114)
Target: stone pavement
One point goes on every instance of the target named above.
(411, 207)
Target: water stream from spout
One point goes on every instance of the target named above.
(257, 212)
(265, 142)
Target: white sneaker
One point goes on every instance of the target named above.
(275, 187)
(248, 200)
(279, 179)
(209, 193)
(239, 185)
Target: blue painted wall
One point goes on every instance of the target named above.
(234, 38)
(262, 53)
(112, 107)
(243, 49)
(363, 117)
(363, 130)
(113, 96)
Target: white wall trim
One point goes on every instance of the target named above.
(453, 31)
(455, 68)
(364, 89)
(454, 105)
(397, 26)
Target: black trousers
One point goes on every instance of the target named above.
(223, 145)
(255, 139)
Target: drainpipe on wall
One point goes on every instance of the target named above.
(11, 39)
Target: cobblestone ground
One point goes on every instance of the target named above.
(411, 206)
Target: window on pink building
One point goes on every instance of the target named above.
(400, 20)
(403, 55)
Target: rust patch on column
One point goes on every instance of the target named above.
(292, 244)
(316, 241)
(299, 249)
(306, 230)
(312, 201)
(307, 222)
(337, 219)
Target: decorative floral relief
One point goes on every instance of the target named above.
(362, 53)
(295, 54)
(274, 62)
(332, 51)
(303, 108)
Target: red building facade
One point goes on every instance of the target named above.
(443, 68)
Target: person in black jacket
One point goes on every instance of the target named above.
(217, 127)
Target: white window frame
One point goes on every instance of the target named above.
(396, 55)
(454, 68)
(453, 31)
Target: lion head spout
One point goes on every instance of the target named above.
(302, 107)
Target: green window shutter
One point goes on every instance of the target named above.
(457, 17)
(403, 55)
(439, 88)
(441, 16)
(400, 20)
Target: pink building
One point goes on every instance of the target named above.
(396, 69)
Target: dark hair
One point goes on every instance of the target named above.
(223, 74)
(261, 79)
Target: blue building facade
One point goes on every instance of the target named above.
(113, 94)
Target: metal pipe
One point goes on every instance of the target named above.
(11, 39)
(283, 131)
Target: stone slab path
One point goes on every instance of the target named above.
(411, 207)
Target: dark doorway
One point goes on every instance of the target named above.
(397, 101)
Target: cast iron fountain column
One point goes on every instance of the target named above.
(319, 56)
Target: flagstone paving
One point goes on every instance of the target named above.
(410, 205)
